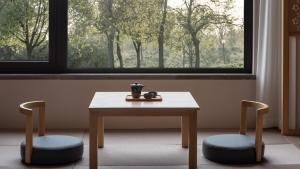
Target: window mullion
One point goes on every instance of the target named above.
(58, 32)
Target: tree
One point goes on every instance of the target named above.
(181, 42)
(235, 45)
(141, 24)
(111, 17)
(2, 4)
(161, 33)
(119, 20)
(107, 25)
(85, 47)
(195, 18)
(119, 51)
(26, 21)
(128, 33)
(224, 27)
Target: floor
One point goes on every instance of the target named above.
(154, 149)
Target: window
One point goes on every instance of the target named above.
(179, 36)
(24, 33)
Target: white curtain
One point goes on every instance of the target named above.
(267, 50)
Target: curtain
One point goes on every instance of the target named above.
(267, 51)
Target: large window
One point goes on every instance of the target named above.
(201, 36)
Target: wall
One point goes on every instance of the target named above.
(68, 100)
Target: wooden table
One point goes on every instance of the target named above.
(173, 104)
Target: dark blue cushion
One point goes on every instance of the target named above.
(230, 149)
(55, 149)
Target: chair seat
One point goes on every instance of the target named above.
(230, 149)
(54, 149)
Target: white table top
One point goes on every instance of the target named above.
(117, 100)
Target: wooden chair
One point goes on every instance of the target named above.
(27, 109)
(238, 148)
(40, 150)
(261, 110)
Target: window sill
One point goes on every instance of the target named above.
(91, 76)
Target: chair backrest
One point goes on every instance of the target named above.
(27, 110)
(261, 109)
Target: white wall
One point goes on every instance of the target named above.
(68, 100)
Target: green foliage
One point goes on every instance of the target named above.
(125, 33)
(24, 29)
(143, 20)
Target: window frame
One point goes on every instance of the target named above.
(58, 47)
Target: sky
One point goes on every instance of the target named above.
(237, 11)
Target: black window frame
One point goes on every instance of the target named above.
(58, 47)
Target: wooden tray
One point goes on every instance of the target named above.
(142, 99)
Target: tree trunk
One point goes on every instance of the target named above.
(137, 46)
(142, 54)
(196, 44)
(119, 53)
(222, 43)
(191, 54)
(29, 50)
(223, 52)
(110, 34)
(183, 57)
(161, 35)
(228, 59)
(110, 48)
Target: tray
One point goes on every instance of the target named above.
(142, 99)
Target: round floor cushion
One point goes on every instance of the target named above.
(230, 149)
(54, 149)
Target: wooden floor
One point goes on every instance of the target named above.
(154, 149)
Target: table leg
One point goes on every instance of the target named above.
(193, 140)
(100, 132)
(93, 140)
(184, 131)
